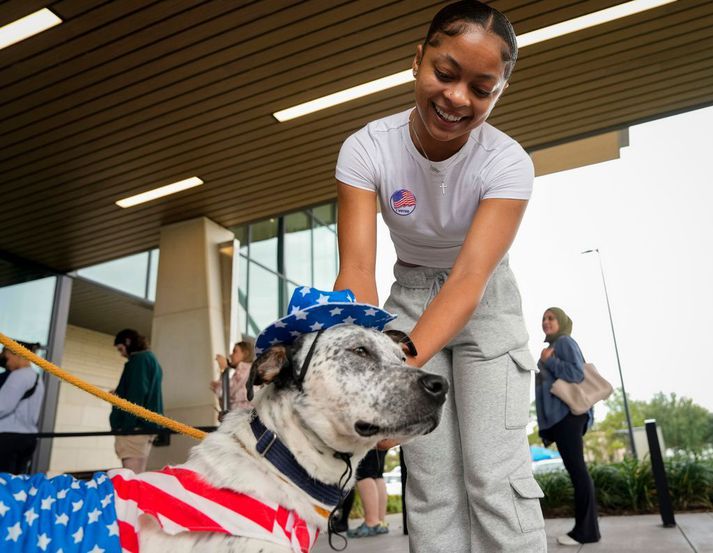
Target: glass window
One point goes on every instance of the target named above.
(307, 242)
(298, 248)
(26, 311)
(242, 294)
(127, 274)
(153, 275)
(325, 214)
(325, 257)
(263, 303)
(263, 243)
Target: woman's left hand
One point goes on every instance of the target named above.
(387, 444)
(546, 354)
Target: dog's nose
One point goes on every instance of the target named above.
(435, 386)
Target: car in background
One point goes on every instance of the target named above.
(547, 465)
(393, 481)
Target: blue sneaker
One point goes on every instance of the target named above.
(382, 527)
(363, 531)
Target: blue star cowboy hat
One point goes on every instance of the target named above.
(311, 310)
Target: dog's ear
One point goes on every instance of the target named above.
(267, 367)
(403, 340)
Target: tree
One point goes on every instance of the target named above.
(685, 425)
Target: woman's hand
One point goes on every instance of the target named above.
(222, 361)
(388, 443)
(546, 354)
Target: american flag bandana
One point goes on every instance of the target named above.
(66, 515)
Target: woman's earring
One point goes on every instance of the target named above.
(415, 72)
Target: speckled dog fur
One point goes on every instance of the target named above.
(357, 378)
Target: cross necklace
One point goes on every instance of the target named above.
(441, 172)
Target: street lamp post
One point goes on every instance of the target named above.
(616, 351)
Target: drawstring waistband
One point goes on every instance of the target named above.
(439, 279)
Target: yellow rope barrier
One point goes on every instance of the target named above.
(101, 394)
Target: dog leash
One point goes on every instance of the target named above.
(121, 403)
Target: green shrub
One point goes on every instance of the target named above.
(559, 494)
(690, 483)
(393, 505)
(628, 487)
(624, 487)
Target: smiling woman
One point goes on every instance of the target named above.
(453, 190)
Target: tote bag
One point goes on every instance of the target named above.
(581, 396)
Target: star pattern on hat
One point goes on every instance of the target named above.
(311, 310)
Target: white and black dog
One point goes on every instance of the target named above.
(266, 479)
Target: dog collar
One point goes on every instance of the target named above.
(271, 448)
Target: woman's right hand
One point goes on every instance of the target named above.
(546, 354)
(222, 361)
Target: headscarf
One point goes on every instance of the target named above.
(565, 324)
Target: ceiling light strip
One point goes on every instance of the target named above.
(527, 39)
(159, 192)
(344, 96)
(27, 26)
(590, 20)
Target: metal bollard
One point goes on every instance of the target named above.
(225, 398)
(657, 466)
(403, 490)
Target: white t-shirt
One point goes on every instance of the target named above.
(427, 226)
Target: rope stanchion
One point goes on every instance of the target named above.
(121, 403)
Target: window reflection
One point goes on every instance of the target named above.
(133, 274)
(298, 248)
(307, 242)
(26, 310)
(263, 289)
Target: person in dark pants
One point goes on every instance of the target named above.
(21, 395)
(563, 359)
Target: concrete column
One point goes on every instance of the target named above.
(189, 326)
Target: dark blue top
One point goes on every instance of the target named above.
(566, 363)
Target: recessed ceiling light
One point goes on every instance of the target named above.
(27, 26)
(344, 96)
(589, 20)
(527, 39)
(159, 192)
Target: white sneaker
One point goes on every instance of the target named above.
(566, 540)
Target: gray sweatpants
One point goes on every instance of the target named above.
(470, 486)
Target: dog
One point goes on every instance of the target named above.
(327, 399)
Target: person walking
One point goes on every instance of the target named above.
(453, 190)
(563, 359)
(140, 383)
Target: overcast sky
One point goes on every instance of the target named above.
(650, 215)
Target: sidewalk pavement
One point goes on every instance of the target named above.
(631, 534)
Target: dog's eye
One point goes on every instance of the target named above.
(361, 351)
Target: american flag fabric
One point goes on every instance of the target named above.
(181, 501)
(311, 310)
(66, 515)
(57, 515)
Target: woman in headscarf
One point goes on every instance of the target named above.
(563, 359)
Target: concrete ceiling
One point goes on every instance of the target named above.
(125, 96)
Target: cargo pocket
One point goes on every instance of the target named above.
(517, 405)
(526, 495)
